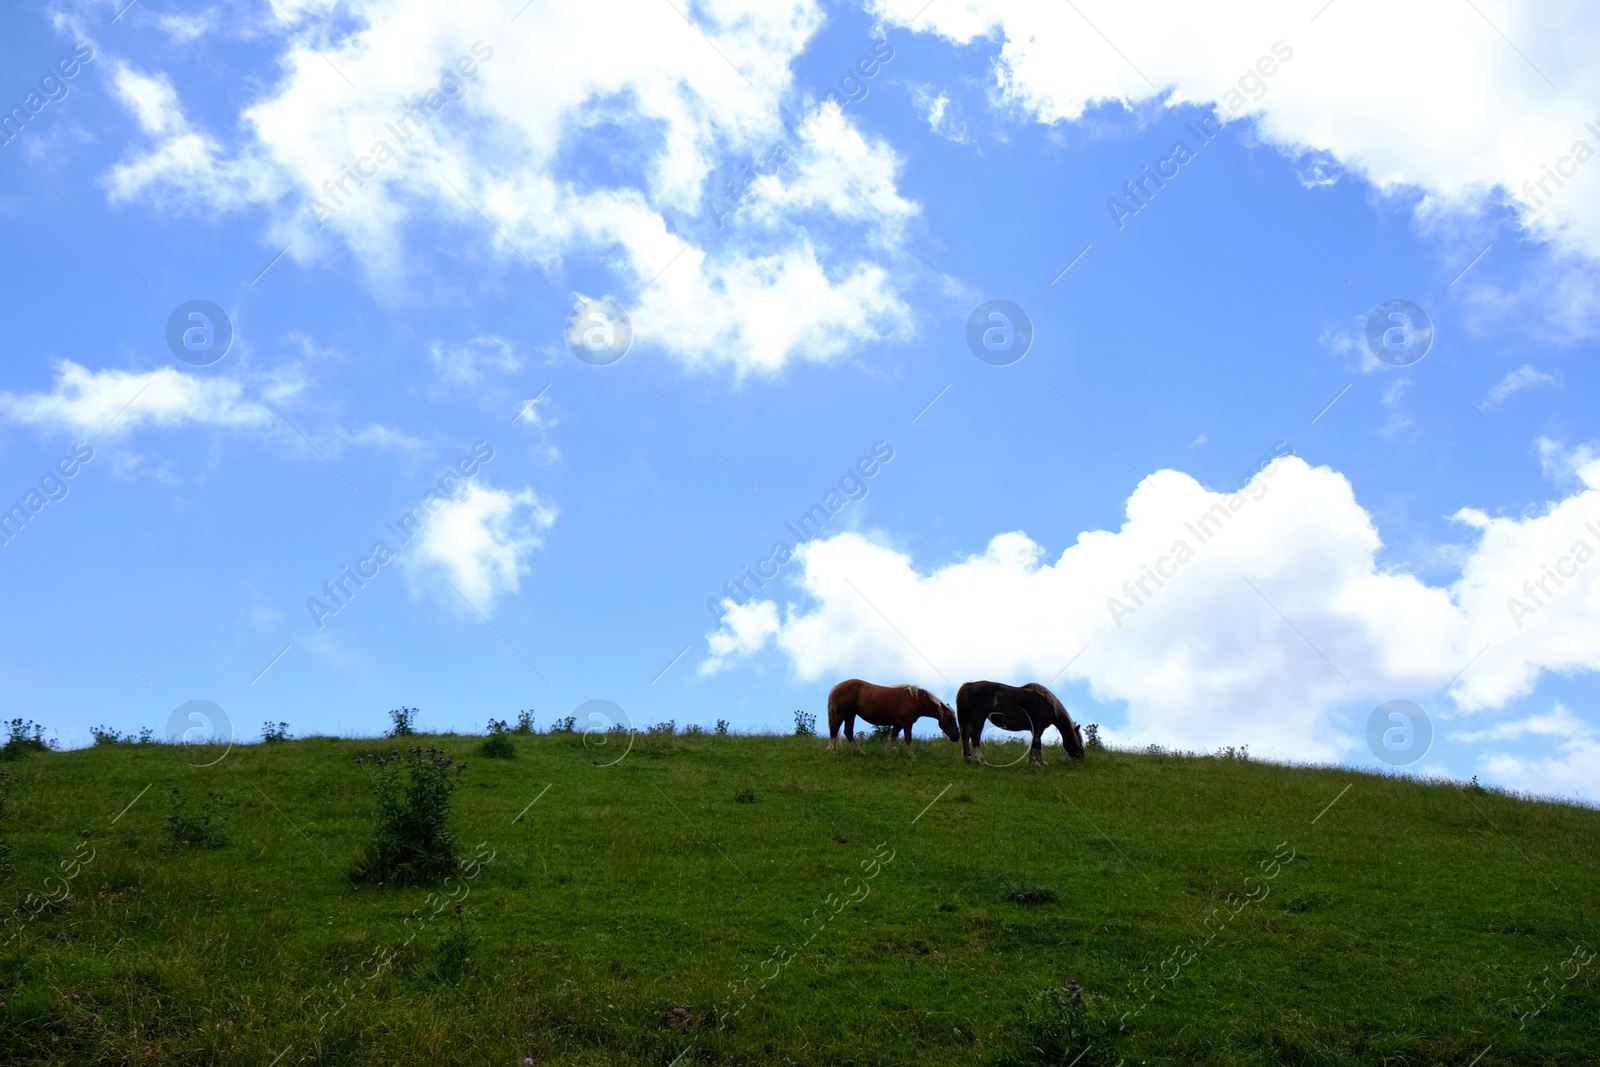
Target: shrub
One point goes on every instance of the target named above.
(694, 730)
(722, 727)
(147, 736)
(1091, 737)
(1023, 893)
(411, 842)
(524, 722)
(274, 733)
(745, 796)
(1242, 752)
(663, 729)
(567, 725)
(498, 744)
(805, 724)
(24, 736)
(405, 722)
(105, 735)
(881, 734)
(186, 829)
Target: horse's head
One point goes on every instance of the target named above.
(947, 720)
(1071, 736)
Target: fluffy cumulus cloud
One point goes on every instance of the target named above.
(496, 119)
(1457, 100)
(1262, 616)
(480, 542)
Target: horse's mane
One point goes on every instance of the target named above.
(917, 690)
(1055, 702)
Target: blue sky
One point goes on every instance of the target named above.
(1191, 344)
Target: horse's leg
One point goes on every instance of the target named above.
(1036, 754)
(907, 729)
(850, 731)
(833, 729)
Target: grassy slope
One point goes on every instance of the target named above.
(1405, 930)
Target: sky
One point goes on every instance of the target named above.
(1226, 372)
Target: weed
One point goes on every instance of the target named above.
(694, 730)
(722, 727)
(1061, 1025)
(450, 956)
(662, 729)
(24, 736)
(147, 736)
(7, 782)
(274, 733)
(185, 829)
(1242, 752)
(567, 725)
(498, 744)
(745, 796)
(1091, 737)
(105, 735)
(411, 843)
(405, 722)
(881, 734)
(805, 724)
(1024, 893)
(524, 723)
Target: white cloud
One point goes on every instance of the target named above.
(1522, 378)
(87, 401)
(1559, 723)
(798, 272)
(1425, 95)
(745, 629)
(112, 404)
(1574, 771)
(481, 543)
(1200, 657)
(186, 166)
(935, 108)
(469, 362)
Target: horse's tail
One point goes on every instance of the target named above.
(842, 700)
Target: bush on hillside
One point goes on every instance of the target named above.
(411, 843)
(524, 722)
(404, 720)
(24, 736)
(186, 829)
(498, 744)
(805, 724)
(274, 733)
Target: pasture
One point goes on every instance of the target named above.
(756, 900)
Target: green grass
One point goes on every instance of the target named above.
(619, 910)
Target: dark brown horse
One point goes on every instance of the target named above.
(894, 706)
(1030, 707)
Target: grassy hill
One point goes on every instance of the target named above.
(827, 909)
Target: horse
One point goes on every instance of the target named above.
(894, 706)
(1029, 707)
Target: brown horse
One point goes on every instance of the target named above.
(1029, 707)
(894, 706)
